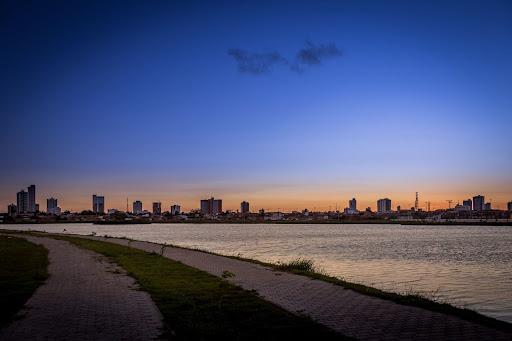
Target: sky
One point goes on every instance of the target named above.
(288, 105)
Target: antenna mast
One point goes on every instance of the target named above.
(449, 203)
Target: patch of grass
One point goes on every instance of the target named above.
(299, 264)
(23, 268)
(200, 306)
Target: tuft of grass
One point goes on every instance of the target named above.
(23, 268)
(199, 306)
(227, 274)
(300, 264)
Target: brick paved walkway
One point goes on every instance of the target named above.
(85, 298)
(346, 311)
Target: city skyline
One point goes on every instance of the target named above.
(137, 205)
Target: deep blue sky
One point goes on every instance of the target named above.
(142, 99)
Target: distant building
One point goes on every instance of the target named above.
(22, 202)
(211, 206)
(244, 207)
(509, 206)
(478, 203)
(32, 199)
(384, 205)
(468, 203)
(352, 205)
(52, 207)
(157, 208)
(487, 206)
(137, 207)
(98, 204)
(460, 208)
(175, 209)
(12, 210)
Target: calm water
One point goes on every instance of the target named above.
(469, 266)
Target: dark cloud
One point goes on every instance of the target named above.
(260, 63)
(256, 63)
(313, 55)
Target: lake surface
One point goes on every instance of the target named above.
(468, 266)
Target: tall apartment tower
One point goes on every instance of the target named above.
(384, 205)
(244, 207)
(51, 205)
(98, 204)
(509, 206)
(32, 198)
(22, 202)
(478, 203)
(211, 206)
(352, 204)
(137, 207)
(175, 209)
(157, 208)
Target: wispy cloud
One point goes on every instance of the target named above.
(314, 54)
(261, 63)
(256, 63)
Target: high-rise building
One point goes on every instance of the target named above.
(32, 198)
(157, 208)
(175, 209)
(467, 203)
(244, 207)
(478, 203)
(12, 210)
(352, 204)
(98, 204)
(487, 206)
(384, 205)
(51, 206)
(509, 206)
(22, 202)
(137, 207)
(211, 206)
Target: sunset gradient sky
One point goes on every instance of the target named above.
(144, 100)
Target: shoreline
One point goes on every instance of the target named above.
(414, 300)
(313, 222)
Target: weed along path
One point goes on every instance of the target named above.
(86, 297)
(348, 312)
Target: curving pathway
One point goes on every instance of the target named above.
(85, 298)
(348, 312)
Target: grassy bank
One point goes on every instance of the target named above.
(306, 267)
(199, 306)
(23, 268)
